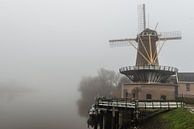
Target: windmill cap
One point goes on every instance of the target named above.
(148, 32)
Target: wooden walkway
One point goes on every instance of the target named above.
(114, 112)
(124, 103)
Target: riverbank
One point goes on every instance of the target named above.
(175, 119)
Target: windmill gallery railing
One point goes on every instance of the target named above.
(149, 67)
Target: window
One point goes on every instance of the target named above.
(188, 87)
(148, 96)
(163, 97)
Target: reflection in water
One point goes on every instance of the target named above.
(22, 108)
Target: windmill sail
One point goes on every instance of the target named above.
(141, 18)
(170, 35)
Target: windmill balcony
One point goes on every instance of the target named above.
(149, 73)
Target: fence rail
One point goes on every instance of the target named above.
(138, 104)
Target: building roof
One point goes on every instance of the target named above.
(187, 77)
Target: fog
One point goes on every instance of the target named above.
(47, 46)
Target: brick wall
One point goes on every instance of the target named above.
(144, 91)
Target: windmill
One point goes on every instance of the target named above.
(147, 41)
(147, 44)
(148, 79)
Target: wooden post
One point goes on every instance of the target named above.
(96, 126)
(104, 121)
(113, 118)
(152, 104)
(101, 120)
(120, 119)
(168, 105)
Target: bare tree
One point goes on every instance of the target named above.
(101, 85)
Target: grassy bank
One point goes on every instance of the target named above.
(178, 119)
(175, 119)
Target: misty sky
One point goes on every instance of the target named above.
(48, 45)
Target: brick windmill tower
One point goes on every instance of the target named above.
(149, 78)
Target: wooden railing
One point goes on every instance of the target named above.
(125, 103)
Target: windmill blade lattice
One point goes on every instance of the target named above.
(121, 42)
(174, 35)
(141, 18)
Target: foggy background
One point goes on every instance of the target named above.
(47, 46)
